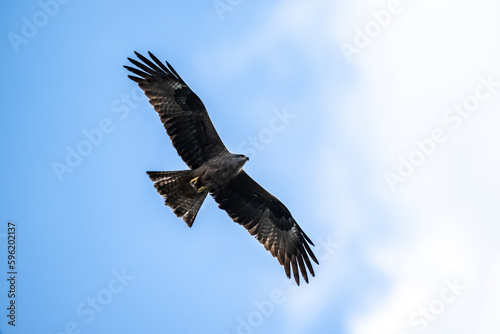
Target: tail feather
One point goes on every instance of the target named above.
(178, 193)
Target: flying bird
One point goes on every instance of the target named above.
(213, 169)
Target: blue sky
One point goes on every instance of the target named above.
(98, 252)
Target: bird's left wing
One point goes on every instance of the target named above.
(265, 217)
(181, 111)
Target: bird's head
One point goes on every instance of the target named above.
(240, 159)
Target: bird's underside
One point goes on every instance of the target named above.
(213, 169)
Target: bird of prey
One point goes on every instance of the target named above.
(213, 169)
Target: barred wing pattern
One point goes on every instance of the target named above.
(181, 111)
(265, 217)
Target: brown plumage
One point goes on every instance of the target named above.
(214, 170)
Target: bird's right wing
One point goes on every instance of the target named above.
(265, 217)
(181, 111)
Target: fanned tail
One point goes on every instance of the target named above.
(178, 193)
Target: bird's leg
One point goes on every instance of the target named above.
(193, 181)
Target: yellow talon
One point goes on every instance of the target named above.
(201, 189)
(193, 181)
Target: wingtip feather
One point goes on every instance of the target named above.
(136, 79)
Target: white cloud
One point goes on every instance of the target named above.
(416, 69)
(443, 255)
(490, 322)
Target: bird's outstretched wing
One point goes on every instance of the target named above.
(181, 111)
(265, 217)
